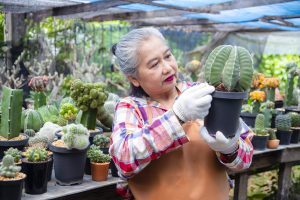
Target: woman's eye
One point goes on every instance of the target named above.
(154, 65)
(168, 56)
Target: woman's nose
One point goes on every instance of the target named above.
(166, 67)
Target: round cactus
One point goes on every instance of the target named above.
(283, 122)
(36, 154)
(295, 119)
(29, 132)
(32, 120)
(101, 140)
(8, 168)
(15, 153)
(229, 68)
(76, 136)
(38, 141)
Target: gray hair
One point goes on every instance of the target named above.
(126, 49)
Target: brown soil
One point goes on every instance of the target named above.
(18, 177)
(20, 137)
(59, 143)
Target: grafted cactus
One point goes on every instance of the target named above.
(283, 122)
(11, 112)
(229, 68)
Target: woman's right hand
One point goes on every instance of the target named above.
(194, 102)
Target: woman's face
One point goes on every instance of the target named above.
(157, 69)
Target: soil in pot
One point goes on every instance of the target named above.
(224, 112)
(259, 142)
(37, 176)
(284, 137)
(11, 189)
(295, 135)
(99, 171)
(249, 118)
(273, 144)
(19, 142)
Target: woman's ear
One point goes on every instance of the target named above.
(134, 81)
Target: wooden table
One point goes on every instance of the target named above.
(284, 158)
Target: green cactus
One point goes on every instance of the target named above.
(29, 132)
(36, 154)
(260, 125)
(101, 140)
(38, 141)
(75, 136)
(32, 120)
(68, 112)
(104, 117)
(8, 168)
(97, 156)
(40, 99)
(283, 122)
(230, 68)
(289, 91)
(295, 119)
(11, 112)
(272, 134)
(15, 153)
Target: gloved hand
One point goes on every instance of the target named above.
(220, 143)
(194, 102)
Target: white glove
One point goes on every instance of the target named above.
(220, 143)
(194, 102)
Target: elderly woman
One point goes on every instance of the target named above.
(159, 143)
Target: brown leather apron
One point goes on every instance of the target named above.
(191, 172)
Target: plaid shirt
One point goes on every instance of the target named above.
(139, 137)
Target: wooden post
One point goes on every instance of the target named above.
(240, 186)
(284, 181)
(15, 29)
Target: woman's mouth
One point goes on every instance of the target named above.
(169, 79)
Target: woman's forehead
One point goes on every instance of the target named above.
(153, 47)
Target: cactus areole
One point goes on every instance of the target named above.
(229, 69)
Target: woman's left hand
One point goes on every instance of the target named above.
(220, 143)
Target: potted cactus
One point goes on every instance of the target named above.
(36, 165)
(271, 84)
(88, 98)
(32, 120)
(273, 142)
(69, 150)
(15, 153)
(11, 179)
(283, 126)
(11, 120)
(291, 102)
(295, 123)
(99, 163)
(229, 69)
(260, 138)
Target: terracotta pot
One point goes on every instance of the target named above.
(273, 144)
(99, 171)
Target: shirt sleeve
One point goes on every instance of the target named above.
(134, 144)
(244, 152)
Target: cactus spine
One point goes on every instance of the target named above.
(295, 119)
(229, 67)
(283, 122)
(11, 112)
(8, 168)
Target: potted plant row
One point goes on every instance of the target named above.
(229, 69)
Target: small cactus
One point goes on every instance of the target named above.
(36, 154)
(260, 125)
(97, 156)
(272, 134)
(76, 136)
(101, 140)
(15, 153)
(29, 132)
(295, 119)
(283, 122)
(8, 168)
(38, 141)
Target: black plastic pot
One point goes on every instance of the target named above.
(19, 144)
(50, 169)
(273, 120)
(68, 165)
(259, 142)
(292, 109)
(94, 133)
(37, 176)
(284, 137)
(278, 104)
(295, 135)
(249, 118)
(11, 190)
(224, 113)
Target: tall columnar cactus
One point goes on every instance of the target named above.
(260, 125)
(76, 136)
(11, 112)
(293, 71)
(229, 68)
(295, 119)
(32, 120)
(8, 168)
(88, 97)
(283, 122)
